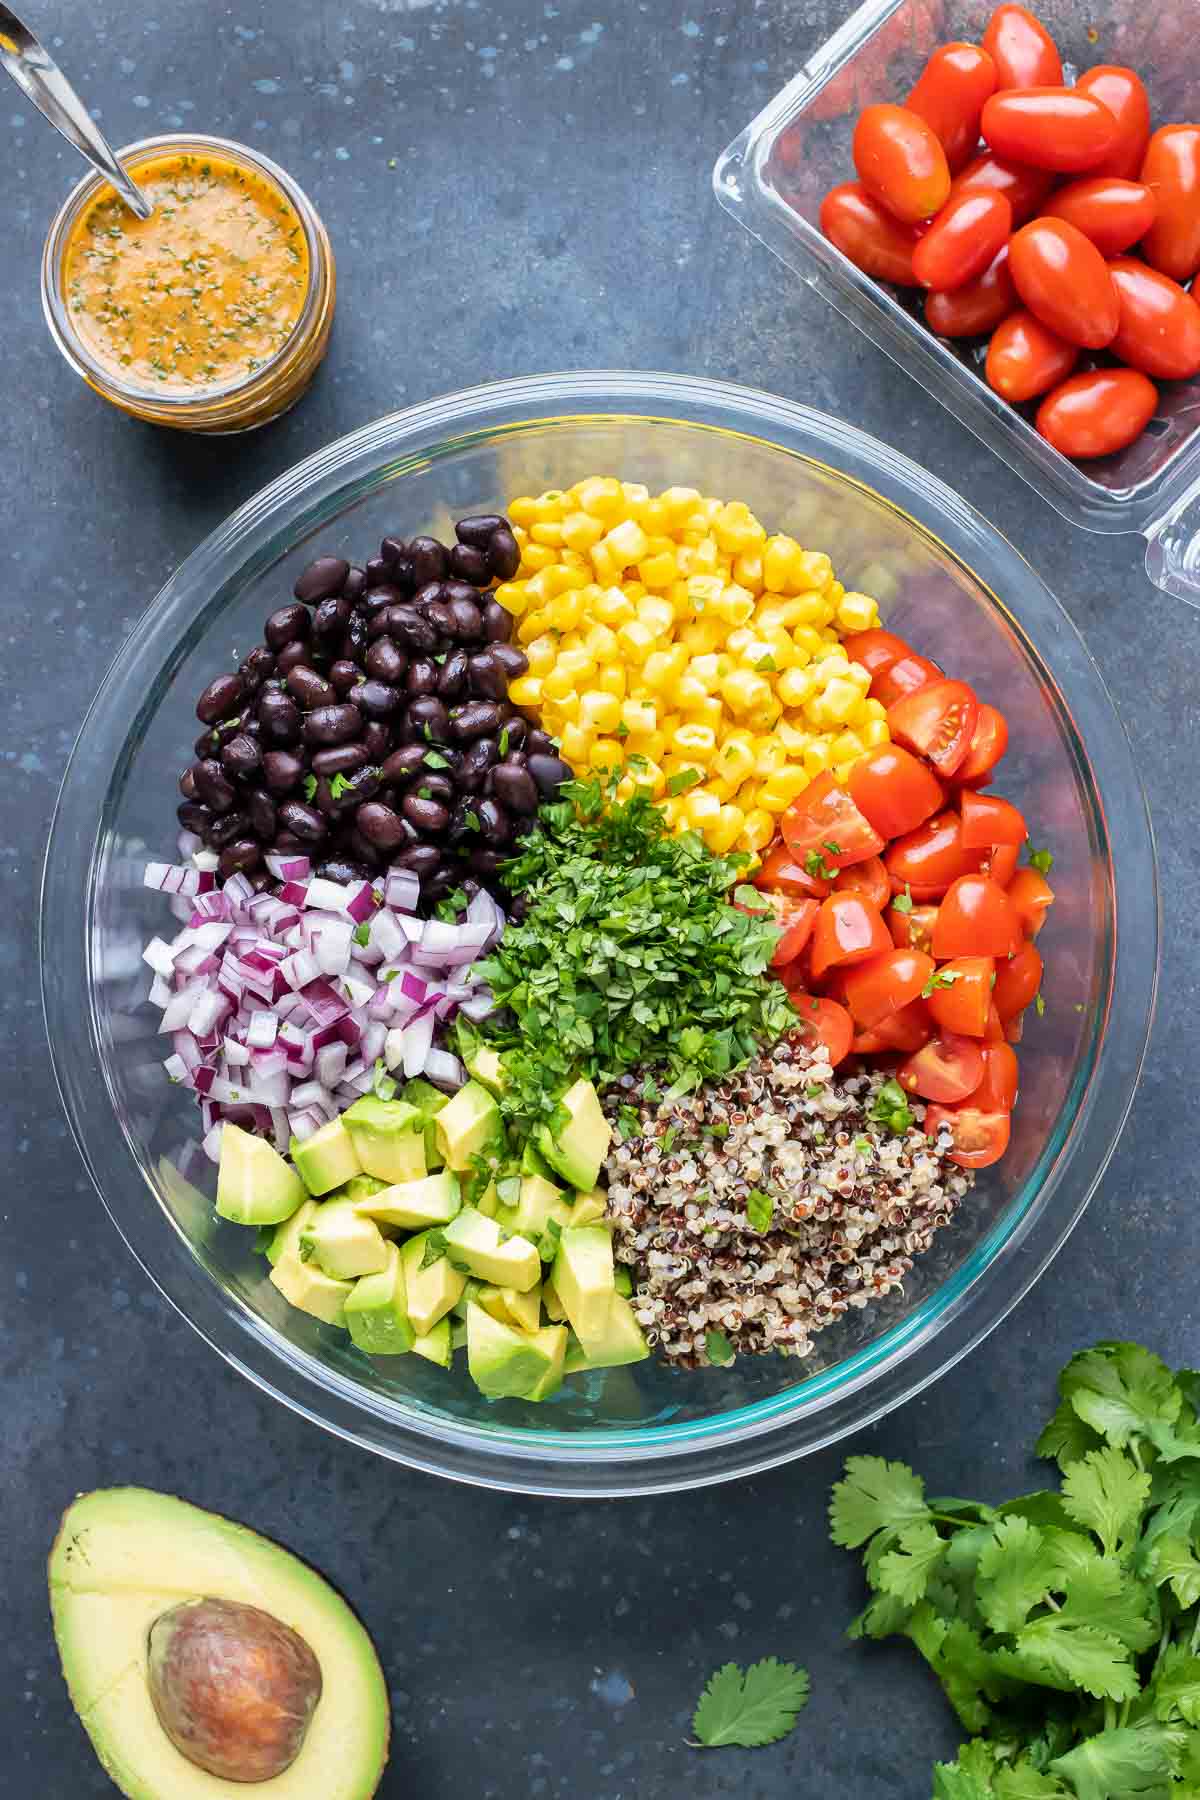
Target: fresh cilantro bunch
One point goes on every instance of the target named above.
(628, 954)
(1064, 1626)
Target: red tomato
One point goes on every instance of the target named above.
(954, 84)
(913, 930)
(907, 1028)
(1025, 358)
(1172, 173)
(1001, 863)
(1126, 99)
(928, 859)
(781, 872)
(1112, 214)
(1159, 331)
(987, 747)
(976, 918)
(980, 1138)
(962, 240)
(977, 306)
(901, 162)
(848, 930)
(885, 984)
(947, 1068)
(938, 721)
(1022, 50)
(1032, 896)
(903, 677)
(825, 1020)
(1018, 979)
(1051, 127)
(870, 879)
(1024, 188)
(993, 1031)
(1064, 280)
(856, 224)
(1098, 413)
(986, 819)
(870, 1043)
(893, 790)
(796, 919)
(1014, 1028)
(875, 650)
(824, 820)
(997, 1091)
(961, 995)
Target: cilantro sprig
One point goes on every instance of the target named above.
(751, 1709)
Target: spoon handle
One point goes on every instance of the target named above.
(40, 78)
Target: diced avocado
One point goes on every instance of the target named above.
(551, 1303)
(388, 1137)
(509, 1364)
(467, 1125)
(522, 1311)
(533, 1162)
(436, 1345)
(539, 1202)
(458, 1332)
(589, 1207)
(488, 1202)
(430, 1291)
(578, 1149)
(306, 1285)
(377, 1311)
(553, 1341)
(623, 1281)
(583, 1278)
(415, 1204)
(286, 1240)
(478, 1242)
(620, 1341)
(255, 1185)
(429, 1102)
(342, 1243)
(485, 1065)
(327, 1158)
(359, 1187)
(470, 1293)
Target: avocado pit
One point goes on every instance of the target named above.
(233, 1687)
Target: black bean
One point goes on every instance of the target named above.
(478, 528)
(468, 620)
(285, 624)
(503, 554)
(309, 688)
(339, 724)
(392, 549)
(422, 859)
(241, 756)
(290, 657)
(412, 629)
(485, 862)
(279, 717)
(289, 842)
(438, 885)
(385, 593)
(355, 640)
(548, 771)
(538, 743)
(379, 825)
(343, 675)
(340, 759)
(452, 676)
(341, 868)
(375, 571)
(363, 784)
(375, 699)
(428, 560)
(187, 784)
(281, 770)
(260, 880)
(224, 830)
(377, 738)
(429, 785)
(261, 812)
(469, 564)
(354, 584)
(514, 662)
(494, 823)
(497, 623)
(515, 731)
(477, 759)
(488, 679)
(362, 848)
(325, 802)
(303, 821)
(385, 660)
(441, 618)
(323, 577)
(427, 719)
(429, 595)
(515, 787)
(404, 762)
(238, 857)
(429, 816)
(331, 619)
(257, 666)
(422, 677)
(514, 759)
(222, 696)
(474, 720)
(193, 816)
(214, 786)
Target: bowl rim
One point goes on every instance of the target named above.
(998, 1271)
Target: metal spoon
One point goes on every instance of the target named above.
(40, 78)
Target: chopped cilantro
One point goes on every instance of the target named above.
(760, 1210)
(815, 864)
(941, 978)
(903, 903)
(718, 1348)
(338, 785)
(471, 821)
(382, 1085)
(1040, 1005)
(890, 1109)
(435, 760)
(1041, 860)
(622, 731)
(435, 1248)
(767, 665)
(684, 779)
(362, 934)
(667, 1139)
(451, 906)
(504, 743)
(310, 787)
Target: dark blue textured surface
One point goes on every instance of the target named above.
(510, 187)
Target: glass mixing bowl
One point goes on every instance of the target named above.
(944, 578)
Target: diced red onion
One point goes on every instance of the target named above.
(445, 1069)
(236, 1055)
(187, 842)
(285, 866)
(305, 1121)
(212, 1143)
(178, 1071)
(159, 956)
(372, 1040)
(418, 1041)
(330, 1064)
(160, 992)
(402, 890)
(294, 893)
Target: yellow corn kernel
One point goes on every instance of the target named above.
(607, 567)
(796, 687)
(558, 683)
(600, 495)
(700, 637)
(655, 516)
(633, 591)
(599, 711)
(783, 652)
(657, 613)
(647, 773)
(535, 558)
(781, 788)
(513, 596)
(526, 690)
(846, 747)
(639, 717)
(701, 808)
(758, 829)
(575, 662)
(709, 670)
(734, 604)
(551, 532)
(773, 613)
(710, 712)
(650, 744)
(736, 529)
(574, 559)
(612, 679)
(723, 832)
(816, 756)
(658, 570)
(780, 560)
(601, 644)
(626, 543)
(537, 588)
(611, 607)
(550, 505)
(875, 709)
(542, 652)
(533, 625)
(769, 755)
(812, 609)
(743, 690)
(874, 733)
(748, 571)
(857, 612)
(565, 612)
(735, 759)
(706, 557)
(698, 741)
(635, 640)
(635, 494)
(807, 637)
(838, 701)
(815, 570)
(522, 511)
(566, 578)
(557, 713)
(580, 531)
(607, 753)
(792, 737)
(687, 691)
(662, 668)
(737, 640)
(671, 812)
(704, 591)
(576, 745)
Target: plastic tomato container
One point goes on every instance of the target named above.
(773, 178)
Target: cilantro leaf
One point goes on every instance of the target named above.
(1102, 1594)
(1015, 1572)
(1175, 1562)
(1121, 1390)
(760, 1210)
(815, 865)
(1122, 1764)
(1105, 1492)
(338, 785)
(890, 1109)
(309, 785)
(1066, 1438)
(1060, 1653)
(749, 1710)
(684, 779)
(718, 1348)
(971, 1776)
(435, 1249)
(905, 1571)
(362, 934)
(1176, 1685)
(1041, 860)
(941, 978)
(874, 1495)
(382, 1085)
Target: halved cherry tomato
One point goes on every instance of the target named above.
(938, 721)
(962, 240)
(797, 976)
(961, 994)
(987, 747)
(1024, 188)
(869, 1043)
(947, 1068)
(1064, 280)
(848, 929)
(906, 676)
(1022, 50)
(987, 819)
(1113, 214)
(1032, 896)
(782, 873)
(1159, 331)
(1172, 173)
(875, 650)
(885, 984)
(823, 822)
(997, 1090)
(949, 96)
(913, 930)
(980, 1138)
(1018, 979)
(977, 306)
(827, 1021)
(1001, 863)
(907, 1028)
(928, 859)
(1098, 413)
(893, 790)
(870, 879)
(900, 161)
(976, 918)
(993, 1031)
(1055, 128)
(796, 919)
(1126, 99)
(1026, 358)
(1014, 1028)
(858, 225)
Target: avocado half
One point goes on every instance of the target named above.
(123, 1558)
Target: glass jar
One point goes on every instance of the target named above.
(240, 405)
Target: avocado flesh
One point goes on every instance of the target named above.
(327, 1158)
(377, 1311)
(539, 1202)
(285, 1242)
(578, 1149)
(436, 1345)
(522, 1311)
(305, 1285)
(254, 1184)
(342, 1243)
(124, 1556)
(388, 1138)
(414, 1205)
(476, 1240)
(620, 1341)
(466, 1126)
(584, 1278)
(431, 1291)
(429, 1102)
(508, 1364)
(485, 1066)
(589, 1208)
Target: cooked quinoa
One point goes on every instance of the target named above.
(851, 1205)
